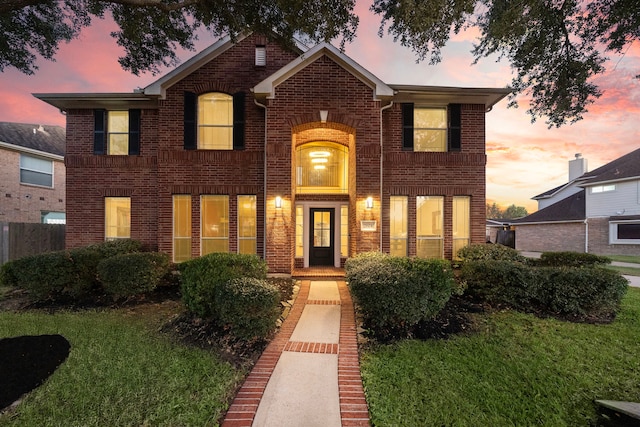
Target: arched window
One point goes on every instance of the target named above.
(323, 168)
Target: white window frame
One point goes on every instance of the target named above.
(613, 233)
(39, 159)
(444, 129)
(605, 188)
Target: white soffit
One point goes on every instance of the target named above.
(267, 87)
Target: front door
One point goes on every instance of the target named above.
(321, 245)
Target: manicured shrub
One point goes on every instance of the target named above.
(481, 252)
(133, 273)
(67, 274)
(248, 307)
(58, 274)
(576, 291)
(393, 294)
(500, 282)
(200, 277)
(571, 259)
(567, 291)
(118, 246)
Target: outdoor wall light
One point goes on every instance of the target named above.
(368, 203)
(278, 202)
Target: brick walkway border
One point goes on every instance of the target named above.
(353, 405)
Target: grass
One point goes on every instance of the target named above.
(121, 372)
(516, 369)
(630, 271)
(625, 258)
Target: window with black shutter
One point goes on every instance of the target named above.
(116, 132)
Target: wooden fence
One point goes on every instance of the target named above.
(22, 239)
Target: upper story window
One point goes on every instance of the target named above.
(603, 188)
(36, 171)
(431, 129)
(214, 121)
(116, 132)
(322, 168)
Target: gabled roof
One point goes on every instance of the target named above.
(266, 88)
(33, 138)
(160, 86)
(623, 168)
(570, 209)
(550, 193)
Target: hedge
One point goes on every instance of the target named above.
(393, 294)
(200, 277)
(70, 274)
(134, 273)
(567, 291)
(571, 259)
(248, 307)
(483, 251)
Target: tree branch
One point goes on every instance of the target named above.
(11, 5)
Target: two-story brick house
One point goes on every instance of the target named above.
(298, 155)
(32, 175)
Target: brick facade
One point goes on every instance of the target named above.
(558, 237)
(357, 119)
(24, 202)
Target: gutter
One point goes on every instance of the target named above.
(264, 190)
(381, 168)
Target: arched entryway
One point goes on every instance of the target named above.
(322, 170)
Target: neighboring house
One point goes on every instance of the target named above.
(596, 212)
(298, 155)
(32, 173)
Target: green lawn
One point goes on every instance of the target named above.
(121, 372)
(516, 369)
(625, 258)
(630, 271)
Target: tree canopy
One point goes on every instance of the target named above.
(555, 47)
(494, 211)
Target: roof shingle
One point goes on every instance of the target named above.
(48, 139)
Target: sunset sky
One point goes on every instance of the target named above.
(524, 159)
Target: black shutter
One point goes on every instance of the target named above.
(238, 121)
(454, 127)
(99, 131)
(190, 109)
(134, 132)
(407, 127)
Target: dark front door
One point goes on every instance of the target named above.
(321, 247)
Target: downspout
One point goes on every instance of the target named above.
(586, 235)
(381, 168)
(264, 190)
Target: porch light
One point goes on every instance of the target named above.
(369, 203)
(319, 167)
(319, 160)
(278, 202)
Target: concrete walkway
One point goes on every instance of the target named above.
(309, 375)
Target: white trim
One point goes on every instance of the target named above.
(579, 221)
(160, 86)
(266, 88)
(613, 233)
(306, 221)
(26, 150)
